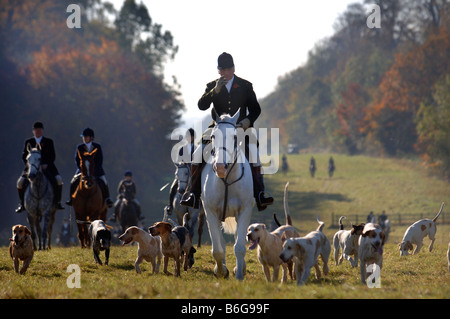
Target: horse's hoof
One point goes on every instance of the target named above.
(226, 275)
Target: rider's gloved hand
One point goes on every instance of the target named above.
(219, 83)
(245, 124)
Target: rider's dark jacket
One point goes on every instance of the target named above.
(241, 96)
(47, 154)
(98, 158)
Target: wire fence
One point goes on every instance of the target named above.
(394, 218)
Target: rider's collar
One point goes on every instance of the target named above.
(229, 84)
(89, 146)
(38, 139)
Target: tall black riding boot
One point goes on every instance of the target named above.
(58, 196)
(21, 207)
(258, 189)
(105, 193)
(194, 189)
(73, 187)
(172, 193)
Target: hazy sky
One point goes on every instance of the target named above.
(267, 39)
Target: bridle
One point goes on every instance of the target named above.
(38, 169)
(225, 179)
(227, 152)
(183, 165)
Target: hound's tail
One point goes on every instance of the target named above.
(287, 215)
(341, 226)
(439, 214)
(83, 222)
(321, 225)
(186, 219)
(276, 220)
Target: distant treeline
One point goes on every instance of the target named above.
(377, 91)
(106, 75)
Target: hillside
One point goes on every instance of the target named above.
(360, 184)
(372, 91)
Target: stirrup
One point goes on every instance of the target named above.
(262, 194)
(20, 209)
(187, 202)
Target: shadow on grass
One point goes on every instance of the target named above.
(306, 204)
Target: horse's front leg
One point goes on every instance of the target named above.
(201, 221)
(218, 250)
(239, 246)
(33, 231)
(38, 230)
(50, 225)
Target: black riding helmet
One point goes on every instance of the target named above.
(128, 173)
(87, 132)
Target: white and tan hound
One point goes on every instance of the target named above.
(417, 232)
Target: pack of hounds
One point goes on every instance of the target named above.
(281, 248)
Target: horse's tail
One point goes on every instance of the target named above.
(229, 225)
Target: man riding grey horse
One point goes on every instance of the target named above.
(49, 169)
(189, 148)
(228, 94)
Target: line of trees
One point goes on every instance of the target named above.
(380, 91)
(107, 75)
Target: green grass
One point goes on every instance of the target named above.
(360, 184)
(421, 276)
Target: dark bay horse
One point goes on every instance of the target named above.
(39, 200)
(127, 216)
(88, 202)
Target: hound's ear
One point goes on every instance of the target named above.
(28, 147)
(27, 231)
(39, 147)
(409, 246)
(168, 227)
(300, 248)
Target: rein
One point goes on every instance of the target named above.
(42, 179)
(225, 179)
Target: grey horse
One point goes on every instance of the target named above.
(227, 194)
(39, 200)
(182, 174)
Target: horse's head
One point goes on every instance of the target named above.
(182, 173)
(224, 143)
(33, 161)
(87, 169)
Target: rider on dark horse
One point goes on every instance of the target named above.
(189, 147)
(127, 190)
(47, 165)
(228, 94)
(88, 145)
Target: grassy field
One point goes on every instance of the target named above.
(360, 184)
